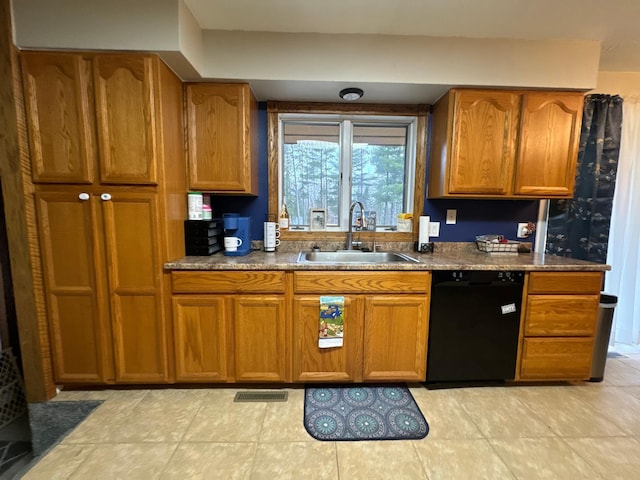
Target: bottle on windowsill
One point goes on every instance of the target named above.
(284, 217)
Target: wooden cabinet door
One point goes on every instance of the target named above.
(77, 308)
(60, 118)
(222, 155)
(131, 234)
(261, 343)
(556, 358)
(395, 337)
(126, 118)
(483, 144)
(200, 334)
(312, 363)
(549, 136)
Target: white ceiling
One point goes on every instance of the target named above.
(398, 51)
(616, 23)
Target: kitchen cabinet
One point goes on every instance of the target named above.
(386, 326)
(126, 118)
(100, 129)
(395, 337)
(91, 115)
(74, 286)
(548, 144)
(60, 116)
(261, 340)
(314, 364)
(560, 315)
(201, 335)
(504, 144)
(230, 326)
(103, 285)
(222, 138)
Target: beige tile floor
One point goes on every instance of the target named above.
(571, 431)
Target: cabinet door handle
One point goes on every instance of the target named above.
(84, 196)
(105, 196)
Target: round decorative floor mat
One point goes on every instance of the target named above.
(386, 412)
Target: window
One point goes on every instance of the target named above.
(326, 160)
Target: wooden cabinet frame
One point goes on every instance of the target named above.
(102, 125)
(505, 144)
(557, 330)
(386, 326)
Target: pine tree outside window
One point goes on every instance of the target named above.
(328, 161)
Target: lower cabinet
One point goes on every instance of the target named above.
(556, 358)
(260, 339)
(103, 284)
(395, 337)
(561, 311)
(201, 335)
(263, 326)
(230, 327)
(312, 363)
(385, 326)
(239, 327)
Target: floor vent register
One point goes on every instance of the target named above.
(261, 397)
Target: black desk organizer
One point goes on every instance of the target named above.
(202, 237)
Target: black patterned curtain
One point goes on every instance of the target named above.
(579, 227)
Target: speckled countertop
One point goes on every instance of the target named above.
(446, 256)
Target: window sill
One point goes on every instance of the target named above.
(363, 236)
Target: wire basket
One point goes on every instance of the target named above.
(12, 400)
(496, 244)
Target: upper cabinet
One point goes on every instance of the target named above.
(91, 115)
(549, 137)
(59, 110)
(126, 118)
(222, 138)
(504, 144)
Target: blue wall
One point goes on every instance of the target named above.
(254, 207)
(480, 217)
(475, 217)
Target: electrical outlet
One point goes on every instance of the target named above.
(434, 229)
(522, 230)
(451, 216)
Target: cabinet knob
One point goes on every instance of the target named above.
(84, 196)
(105, 196)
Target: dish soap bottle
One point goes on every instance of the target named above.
(284, 216)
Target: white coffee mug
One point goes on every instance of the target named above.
(231, 244)
(271, 236)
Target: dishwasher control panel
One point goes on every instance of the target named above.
(479, 276)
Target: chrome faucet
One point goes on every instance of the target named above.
(363, 224)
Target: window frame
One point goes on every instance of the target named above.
(347, 125)
(421, 112)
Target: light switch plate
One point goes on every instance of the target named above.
(451, 216)
(434, 229)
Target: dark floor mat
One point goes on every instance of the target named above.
(13, 455)
(386, 412)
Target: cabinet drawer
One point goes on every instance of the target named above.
(565, 282)
(361, 282)
(556, 358)
(227, 282)
(561, 315)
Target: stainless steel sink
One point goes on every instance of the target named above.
(354, 256)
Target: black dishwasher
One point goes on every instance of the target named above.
(473, 325)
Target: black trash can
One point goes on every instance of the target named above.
(603, 331)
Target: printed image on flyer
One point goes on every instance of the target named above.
(331, 324)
